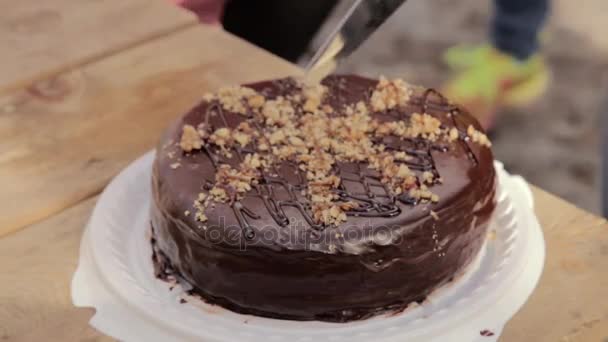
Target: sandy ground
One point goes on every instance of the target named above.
(554, 143)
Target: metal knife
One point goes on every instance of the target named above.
(359, 22)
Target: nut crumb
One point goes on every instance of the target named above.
(256, 101)
(478, 137)
(453, 135)
(390, 94)
(434, 215)
(232, 98)
(222, 137)
(241, 138)
(428, 177)
(190, 139)
(199, 216)
(175, 165)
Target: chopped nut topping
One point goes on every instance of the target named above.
(190, 140)
(232, 184)
(232, 98)
(478, 137)
(328, 214)
(219, 195)
(313, 95)
(428, 177)
(221, 137)
(263, 146)
(242, 138)
(434, 215)
(256, 101)
(402, 156)
(422, 193)
(327, 109)
(200, 204)
(424, 125)
(245, 128)
(252, 161)
(276, 137)
(278, 111)
(361, 108)
(199, 216)
(390, 94)
(301, 128)
(453, 135)
(403, 171)
(175, 165)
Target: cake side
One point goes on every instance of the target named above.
(375, 246)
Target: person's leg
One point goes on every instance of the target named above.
(507, 72)
(517, 24)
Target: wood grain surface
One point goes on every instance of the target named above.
(571, 300)
(37, 266)
(42, 38)
(65, 137)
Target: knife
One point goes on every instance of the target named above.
(360, 21)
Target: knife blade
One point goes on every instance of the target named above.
(359, 22)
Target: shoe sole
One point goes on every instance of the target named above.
(527, 92)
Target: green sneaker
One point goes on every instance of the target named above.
(486, 79)
(463, 56)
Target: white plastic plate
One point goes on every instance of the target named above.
(115, 276)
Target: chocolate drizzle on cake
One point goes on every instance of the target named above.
(397, 148)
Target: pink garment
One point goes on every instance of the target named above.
(208, 11)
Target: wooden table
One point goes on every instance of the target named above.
(87, 86)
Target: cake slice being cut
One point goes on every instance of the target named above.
(334, 202)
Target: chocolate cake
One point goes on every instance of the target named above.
(333, 202)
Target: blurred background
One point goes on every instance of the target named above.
(554, 143)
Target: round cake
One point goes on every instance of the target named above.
(334, 202)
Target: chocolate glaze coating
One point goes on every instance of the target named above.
(263, 256)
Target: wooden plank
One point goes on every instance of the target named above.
(37, 266)
(569, 304)
(41, 38)
(570, 301)
(65, 137)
